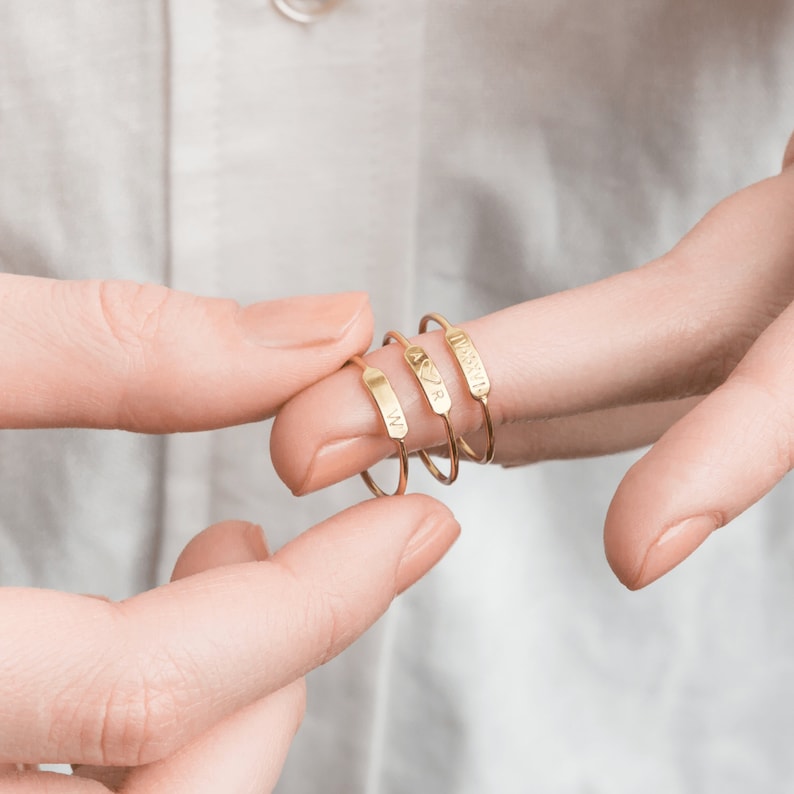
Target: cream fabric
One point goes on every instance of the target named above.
(454, 156)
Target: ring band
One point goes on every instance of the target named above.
(393, 417)
(305, 15)
(437, 396)
(473, 370)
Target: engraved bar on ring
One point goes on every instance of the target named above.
(393, 418)
(477, 381)
(437, 396)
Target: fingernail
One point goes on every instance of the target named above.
(333, 458)
(426, 546)
(674, 545)
(257, 543)
(303, 321)
(788, 157)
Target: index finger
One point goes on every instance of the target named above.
(146, 358)
(671, 329)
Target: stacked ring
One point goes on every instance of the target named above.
(437, 396)
(393, 417)
(476, 378)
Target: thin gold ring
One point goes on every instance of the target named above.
(473, 370)
(306, 16)
(437, 396)
(394, 421)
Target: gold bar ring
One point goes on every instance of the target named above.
(393, 417)
(437, 396)
(477, 380)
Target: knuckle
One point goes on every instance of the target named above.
(132, 318)
(779, 428)
(729, 318)
(770, 424)
(333, 619)
(132, 314)
(139, 717)
(328, 618)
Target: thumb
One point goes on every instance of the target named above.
(147, 358)
(225, 543)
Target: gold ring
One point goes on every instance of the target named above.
(437, 396)
(393, 417)
(311, 13)
(473, 371)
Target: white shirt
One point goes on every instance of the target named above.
(449, 156)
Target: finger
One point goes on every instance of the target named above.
(244, 752)
(225, 543)
(146, 358)
(145, 676)
(587, 435)
(717, 461)
(48, 783)
(225, 758)
(788, 157)
(672, 329)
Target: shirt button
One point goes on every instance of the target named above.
(305, 11)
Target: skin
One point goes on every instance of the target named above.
(691, 353)
(150, 694)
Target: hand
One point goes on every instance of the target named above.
(163, 682)
(611, 366)
(116, 354)
(196, 686)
